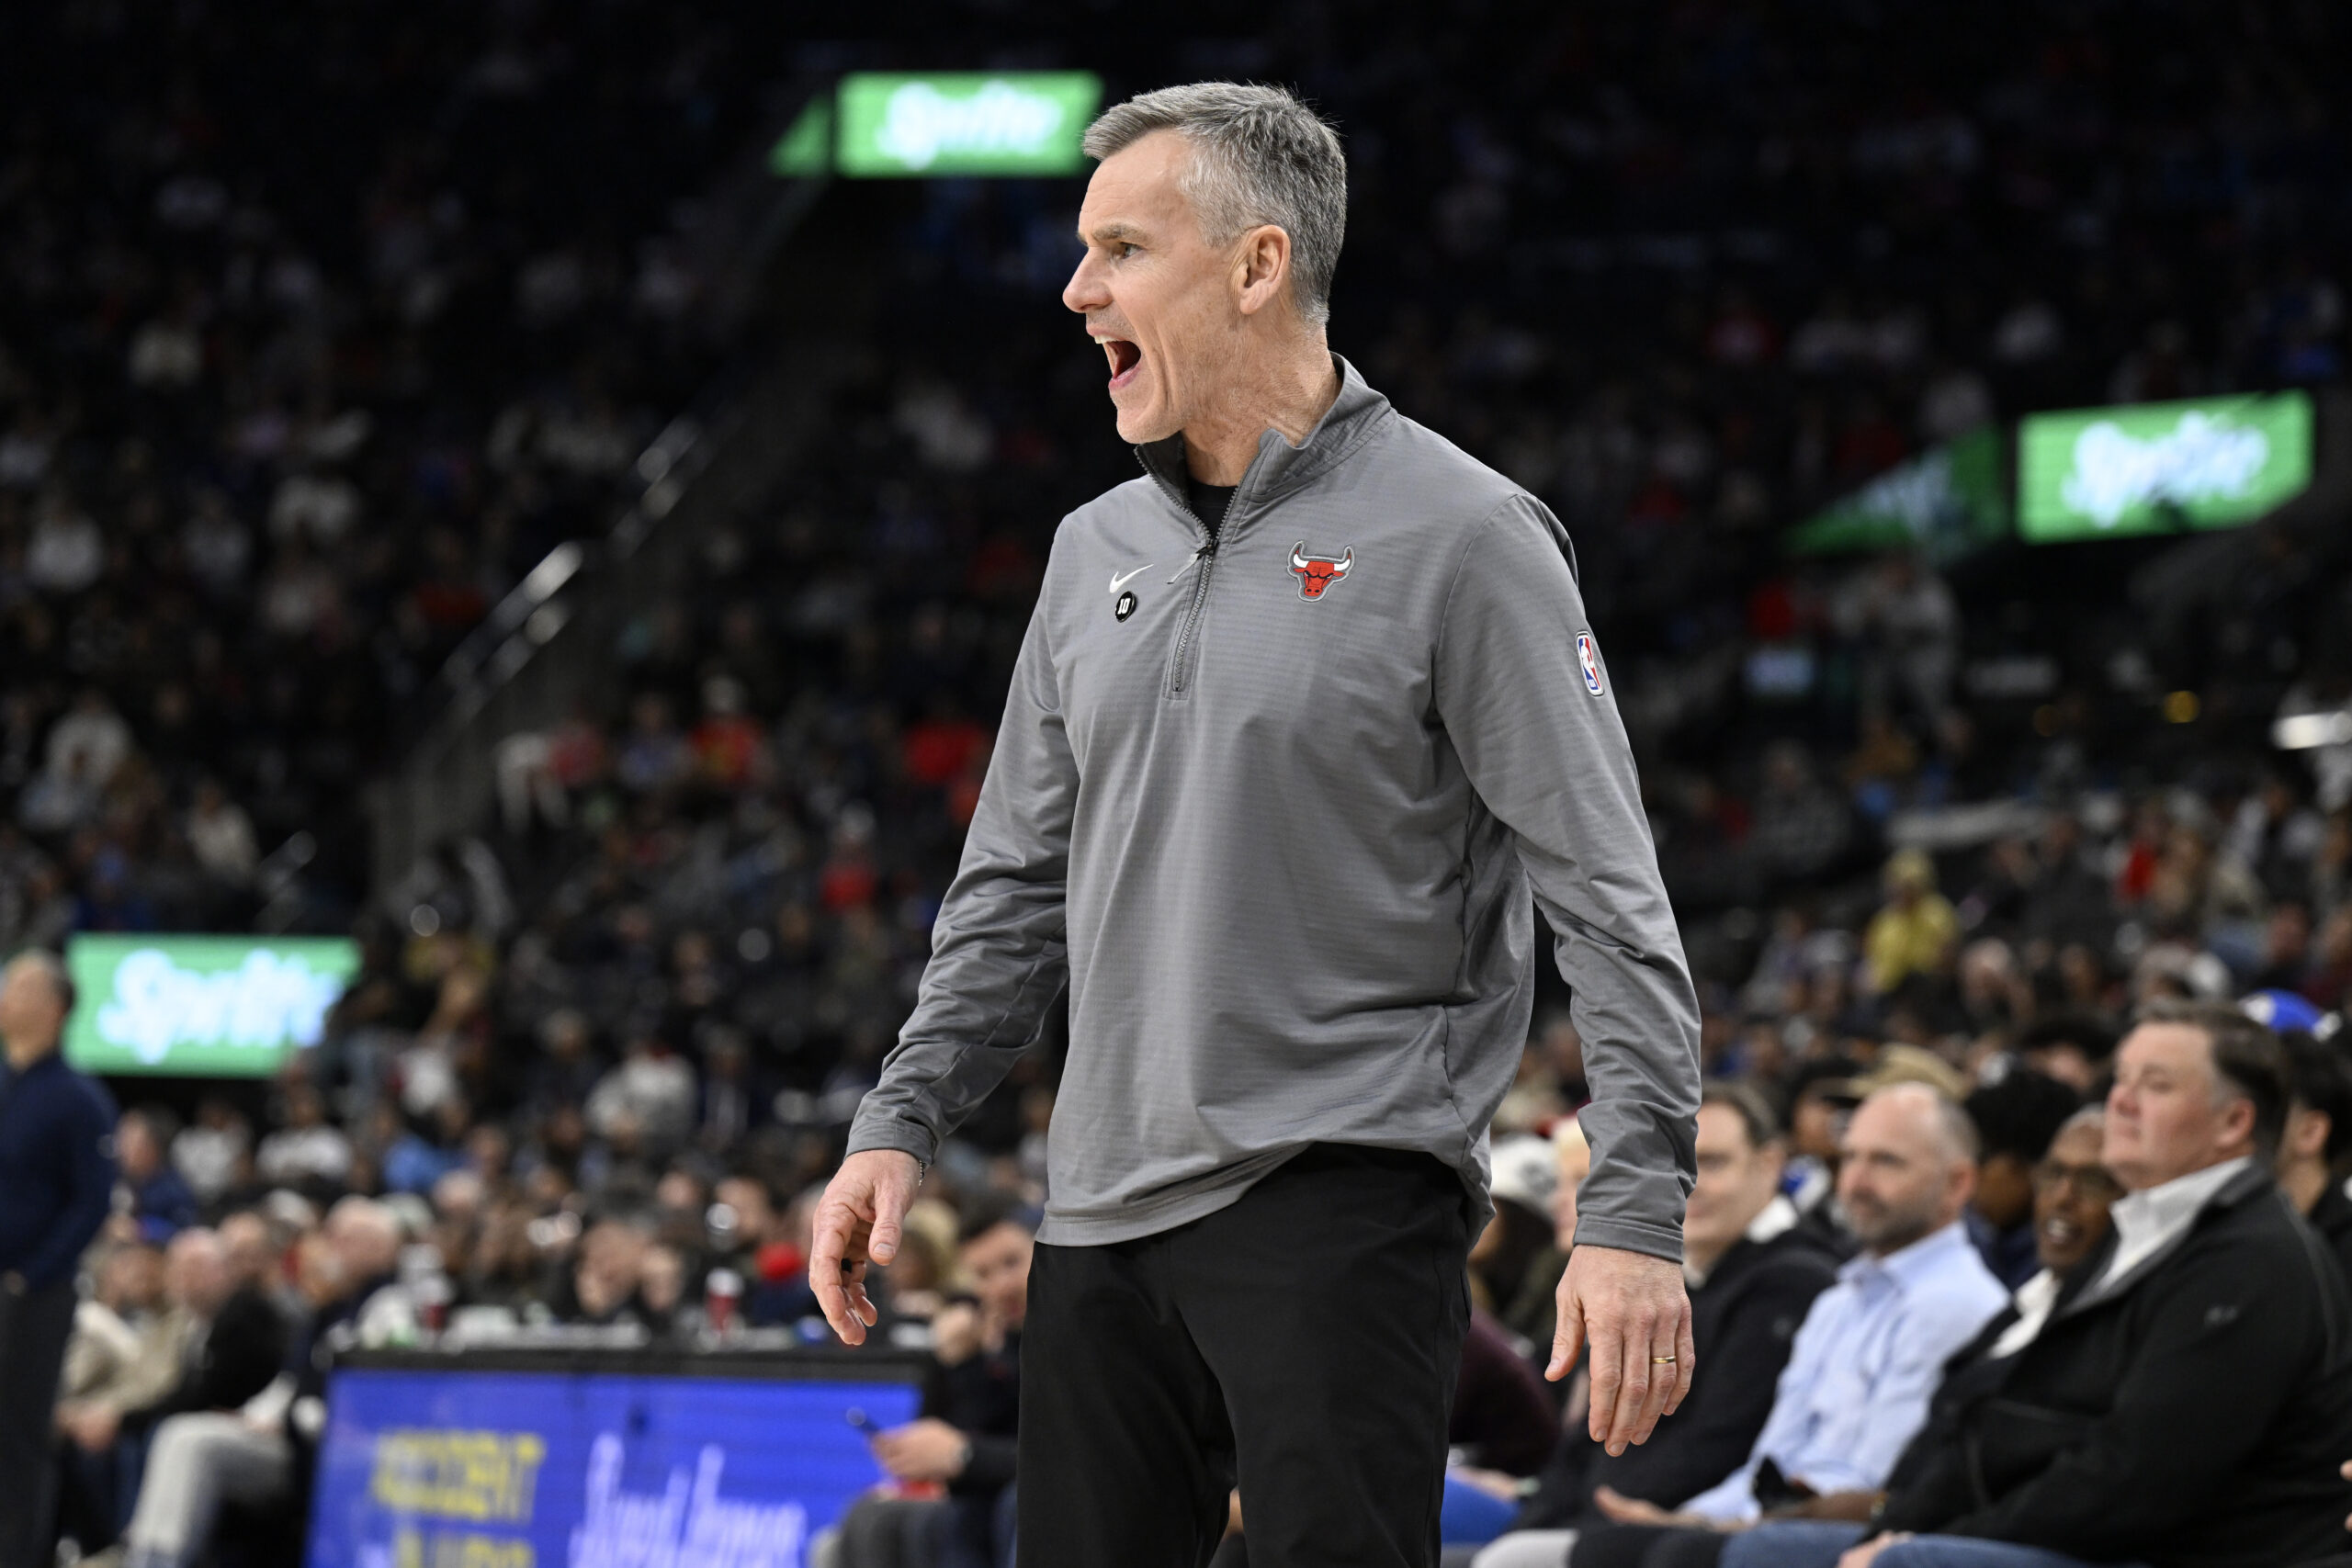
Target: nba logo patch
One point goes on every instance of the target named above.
(1589, 660)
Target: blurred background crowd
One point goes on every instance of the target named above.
(321, 328)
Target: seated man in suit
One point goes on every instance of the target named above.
(2186, 1400)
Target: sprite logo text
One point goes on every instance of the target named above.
(267, 1003)
(2201, 459)
(922, 122)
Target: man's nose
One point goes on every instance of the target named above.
(1084, 291)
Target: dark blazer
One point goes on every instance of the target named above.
(980, 1397)
(1742, 1321)
(57, 1169)
(240, 1354)
(2190, 1415)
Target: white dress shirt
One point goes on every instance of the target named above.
(2146, 1219)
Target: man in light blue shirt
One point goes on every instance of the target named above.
(1873, 1347)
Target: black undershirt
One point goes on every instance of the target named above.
(1209, 502)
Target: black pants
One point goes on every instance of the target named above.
(33, 1331)
(1301, 1343)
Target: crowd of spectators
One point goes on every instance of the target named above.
(317, 331)
(312, 343)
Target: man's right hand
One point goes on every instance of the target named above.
(1620, 1509)
(857, 1224)
(1635, 1312)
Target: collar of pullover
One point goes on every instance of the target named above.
(2147, 1220)
(1279, 466)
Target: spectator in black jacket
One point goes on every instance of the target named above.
(1752, 1272)
(241, 1348)
(56, 1173)
(966, 1438)
(2319, 1134)
(2187, 1401)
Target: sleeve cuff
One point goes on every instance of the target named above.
(1630, 1236)
(992, 1462)
(886, 1132)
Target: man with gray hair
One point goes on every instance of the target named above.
(1305, 715)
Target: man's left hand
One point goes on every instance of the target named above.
(927, 1449)
(1634, 1311)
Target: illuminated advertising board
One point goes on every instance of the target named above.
(2153, 468)
(201, 1006)
(462, 1466)
(1945, 503)
(882, 125)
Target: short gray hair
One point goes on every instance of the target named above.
(1954, 1129)
(1258, 156)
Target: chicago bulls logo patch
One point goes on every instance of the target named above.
(1317, 573)
(1588, 660)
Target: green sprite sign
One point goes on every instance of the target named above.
(200, 1006)
(879, 125)
(1946, 502)
(2209, 462)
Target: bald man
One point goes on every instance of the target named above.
(56, 1178)
(1873, 1347)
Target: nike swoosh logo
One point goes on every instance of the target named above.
(1119, 582)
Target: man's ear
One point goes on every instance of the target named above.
(2237, 1120)
(1262, 272)
(2308, 1131)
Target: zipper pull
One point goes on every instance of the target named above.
(1194, 560)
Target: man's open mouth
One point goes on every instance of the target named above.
(1125, 360)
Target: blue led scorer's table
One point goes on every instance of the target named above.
(596, 1459)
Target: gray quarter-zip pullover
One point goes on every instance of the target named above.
(1271, 806)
